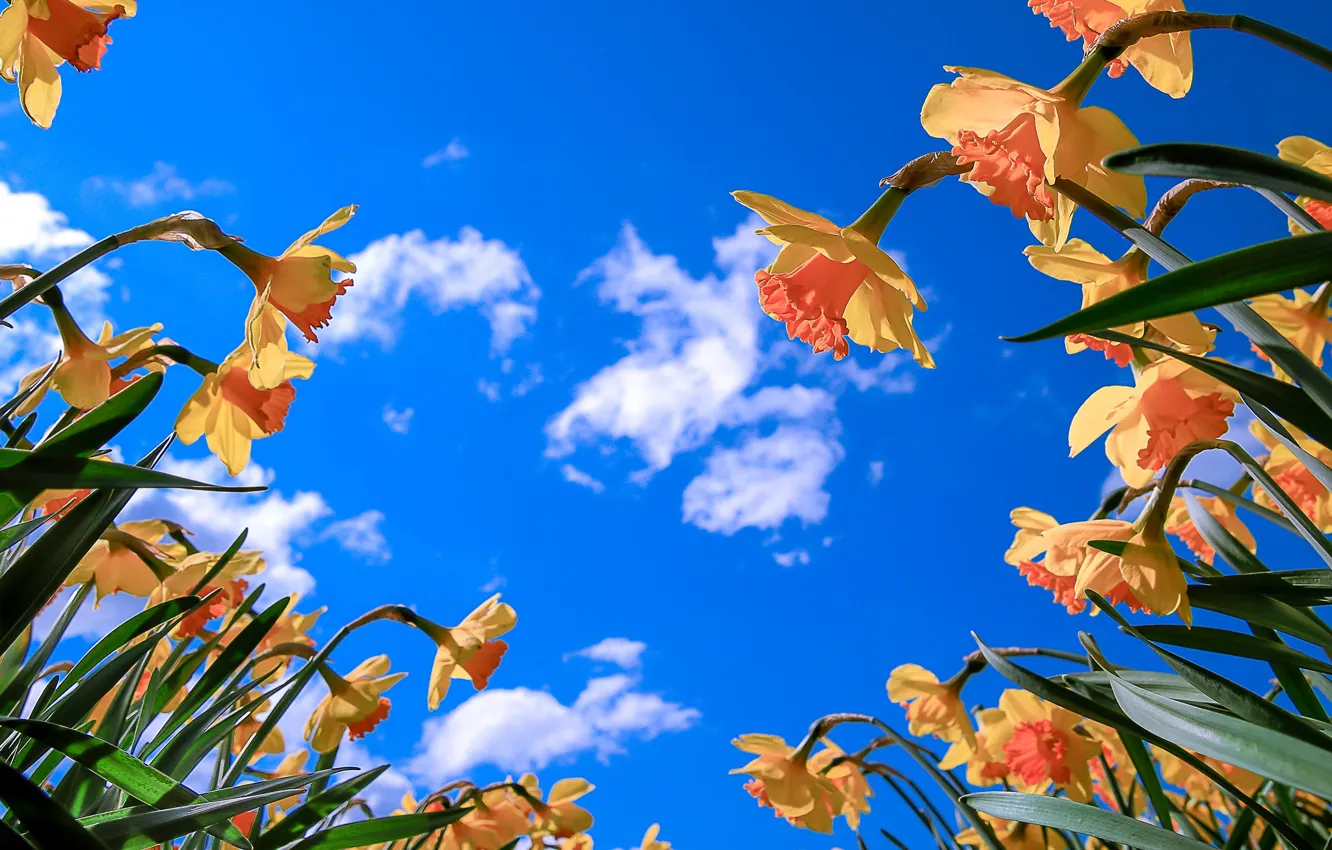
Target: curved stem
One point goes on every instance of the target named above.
(1172, 202)
(925, 171)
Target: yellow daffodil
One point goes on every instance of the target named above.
(650, 841)
(83, 377)
(1179, 524)
(290, 628)
(1293, 477)
(581, 841)
(781, 778)
(355, 705)
(229, 580)
(933, 707)
(830, 283)
(1171, 405)
(1029, 543)
(557, 816)
(846, 777)
(1122, 772)
(298, 285)
(494, 821)
(1165, 61)
(1303, 320)
(1020, 138)
(1181, 774)
(1045, 747)
(231, 413)
(1102, 277)
(1013, 835)
(1315, 156)
(113, 567)
(986, 762)
(273, 742)
(469, 650)
(38, 36)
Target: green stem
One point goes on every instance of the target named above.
(178, 353)
(874, 220)
(43, 282)
(1300, 46)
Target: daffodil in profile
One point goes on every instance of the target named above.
(832, 284)
(1101, 278)
(933, 707)
(113, 565)
(1179, 524)
(1165, 61)
(38, 36)
(1019, 138)
(355, 705)
(470, 650)
(84, 376)
(296, 286)
(231, 412)
(1302, 319)
(846, 776)
(1314, 155)
(781, 777)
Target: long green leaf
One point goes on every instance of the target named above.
(29, 471)
(378, 830)
(125, 633)
(13, 694)
(1237, 644)
(1081, 818)
(14, 534)
(300, 819)
(1263, 610)
(141, 831)
(1217, 162)
(46, 823)
(1247, 273)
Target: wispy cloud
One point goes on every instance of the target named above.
(790, 559)
(574, 475)
(875, 473)
(622, 652)
(452, 152)
(162, 184)
(361, 535)
(398, 421)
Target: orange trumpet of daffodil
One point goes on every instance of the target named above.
(83, 377)
(932, 707)
(830, 284)
(1165, 61)
(1102, 277)
(1171, 405)
(38, 36)
(1303, 320)
(782, 779)
(354, 706)
(1020, 138)
(470, 650)
(1179, 524)
(298, 285)
(1315, 156)
(1045, 747)
(193, 569)
(986, 762)
(231, 413)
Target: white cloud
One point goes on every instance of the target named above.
(519, 729)
(275, 522)
(446, 274)
(698, 349)
(764, 481)
(30, 228)
(360, 535)
(574, 475)
(493, 584)
(790, 559)
(622, 652)
(384, 795)
(162, 184)
(398, 421)
(489, 389)
(875, 472)
(452, 152)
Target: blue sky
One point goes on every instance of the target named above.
(550, 377)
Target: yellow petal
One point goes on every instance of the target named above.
(13, 25)
(774, 211)
(83, 382)
(830, 245)
(1165, 62)
(191, 422)
(879, 318)
(1096, 416)
(884, 266)
(1022, 707)
(1077, 262)
(1101, 134)
(227, 440)
(1300, 149)
(972, 103)
(568, 790)
(331, 223)
(911, 681)
(39, 83)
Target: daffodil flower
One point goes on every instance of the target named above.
(231, 412)
(1179, 524)
(354, 706)
(469, 650)
(114, 567)
(1303, 320)
(1045, 746)
(1293, 477)
(830, 284)
(1165, 61)
(296, 285)
(986, 762)
(933, 707)
(1019, 138)
(1101, 278)
(1315, 156)
(191, 570)
(557, 815)
(83, 377)
(783, 780)
(38, 36)
(846, 777)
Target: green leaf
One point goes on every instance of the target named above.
(1219, 538)
(1166, 684)
(1081, 818)
(1263, 610)
(16, 533)
(45, 823)
(1234, 741)
(1237, 644)
(141, 831)
(12, 696)
(1247, 273)
(1217, 162)
(1315, 466)
(103, 423)
(303, 817)
(31, 472)
(378, 830)
(125, 633)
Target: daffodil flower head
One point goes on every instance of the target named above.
(355, 705)
(830, 284)
(650, 841)
(83, 377)
(113, 567)
(933, 707)
(846, 777)
(297, 285)
(230, 580)
(782, 779)
(986, 762)
(558, 816)
(38, 36)
(1303, 320)
(1060, 559)
(1046, 747)
(1165, 61)
(232, 413)
(1020, 138)
(470, 650)
(1315, 156)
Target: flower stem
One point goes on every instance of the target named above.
(874, 220)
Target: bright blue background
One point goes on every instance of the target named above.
(579, 119)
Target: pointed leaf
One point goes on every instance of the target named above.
(1081, 818)
(1217, 162)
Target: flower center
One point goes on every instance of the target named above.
(1062, 586)
(75, 34)
(1037, 752)
(1175, 419)
(359, 728)
(1320, 210)
(812, 299)
(266, 408)
(1085, 19)
(1119, 352)
(484, 663)
(1012, 163)
(757, 790)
